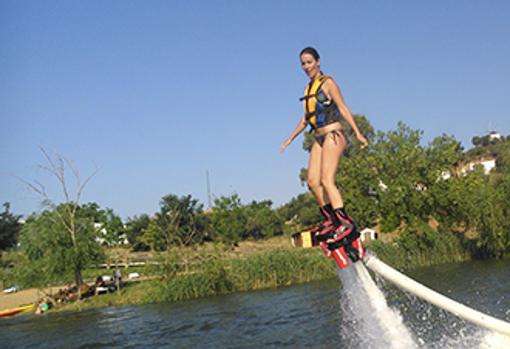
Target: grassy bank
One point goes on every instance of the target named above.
(132, 293)
(215, 275)
(264, 270)
(219, 272)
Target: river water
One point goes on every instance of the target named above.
(315, 315)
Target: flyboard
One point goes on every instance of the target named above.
(346, 249)
(439, 300)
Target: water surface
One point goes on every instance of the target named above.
(309, 315)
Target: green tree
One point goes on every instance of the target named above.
(111, 227)
(232, 222)
(180, 221)
(443, 154)
(300, 212)
(154, 236)
(502, 155)
(365, 128)
(53, 253)
(135, 228)
(358, 181)
(503, 186)
(9, 228)
(494, 239)
(261, 221)
(227, 219)
(65, 216)
(399, 160)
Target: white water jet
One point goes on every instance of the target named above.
(431, 296)
(466, 336)
(370, 322)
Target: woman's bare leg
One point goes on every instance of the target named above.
(314, 175)
(332, 150)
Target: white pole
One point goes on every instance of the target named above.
(436, 298)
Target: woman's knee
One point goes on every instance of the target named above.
(313, 183)
(328, 183)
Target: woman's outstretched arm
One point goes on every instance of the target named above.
(299, 128)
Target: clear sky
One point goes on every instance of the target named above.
(156, 93)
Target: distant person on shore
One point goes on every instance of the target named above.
(44, 305)
(117, 276)
(99, 286)
(324, 106)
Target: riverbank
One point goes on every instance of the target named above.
(188, 273)
(215, 276)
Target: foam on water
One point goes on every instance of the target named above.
(493, 340)
(369, 321)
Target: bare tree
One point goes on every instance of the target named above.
(58, 167)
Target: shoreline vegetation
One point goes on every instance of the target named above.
(275, 265)
(221, 272)
(218, 275)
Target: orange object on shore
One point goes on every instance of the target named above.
(14, 311)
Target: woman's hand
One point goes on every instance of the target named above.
(362, 140)
(285, 145)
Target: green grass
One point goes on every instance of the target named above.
(264, 270)
(216, 275)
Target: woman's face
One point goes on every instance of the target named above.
(310, 66)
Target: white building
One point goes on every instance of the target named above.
(488, 165)
(101, 232)
(493, 135)
(368, 234)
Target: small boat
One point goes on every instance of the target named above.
(14, 311)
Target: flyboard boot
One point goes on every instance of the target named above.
(341, 242)
(327, 226)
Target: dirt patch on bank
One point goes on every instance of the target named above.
(29, 296)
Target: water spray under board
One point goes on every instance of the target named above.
(439, 300)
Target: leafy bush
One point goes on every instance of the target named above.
(420, 245)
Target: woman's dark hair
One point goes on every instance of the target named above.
(310, 51)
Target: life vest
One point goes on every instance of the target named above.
(319, 110)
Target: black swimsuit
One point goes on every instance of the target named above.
(334, 133)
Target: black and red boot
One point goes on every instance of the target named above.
(346, 230)
(325, 230)
(346, 243)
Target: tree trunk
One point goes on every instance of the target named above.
(78, 279)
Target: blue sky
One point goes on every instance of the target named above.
(156, 93)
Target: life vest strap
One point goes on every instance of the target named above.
(307, 97)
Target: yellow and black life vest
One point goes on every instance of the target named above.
(319, 109)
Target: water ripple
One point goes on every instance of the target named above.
(312, 316)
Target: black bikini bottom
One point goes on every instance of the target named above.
(334, 133)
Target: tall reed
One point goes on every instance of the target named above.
(264, 270)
